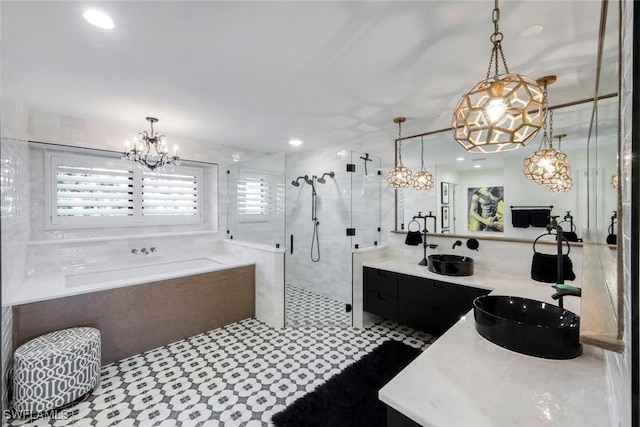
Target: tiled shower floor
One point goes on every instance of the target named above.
(238, 375)
(305, 307)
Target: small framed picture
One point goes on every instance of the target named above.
(445, 218)
(444, 193)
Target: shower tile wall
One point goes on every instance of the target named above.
(618, 365)
(331, 276)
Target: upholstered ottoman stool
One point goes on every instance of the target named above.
(55, 369)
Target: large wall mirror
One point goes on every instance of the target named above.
(591, 143)
(592, 138)
(458, 175)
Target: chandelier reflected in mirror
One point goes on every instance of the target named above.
(399, 176)
(499, 113)
(422, 180)
(546, 164)
(151, 151)
(563, 182)
(614, 181)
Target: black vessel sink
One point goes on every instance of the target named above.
(451, 265)
(528, 326)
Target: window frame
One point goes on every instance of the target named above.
(137, 219)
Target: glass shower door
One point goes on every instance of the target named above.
(318, 256)
(365, 199)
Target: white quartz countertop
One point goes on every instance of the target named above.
(463, 380)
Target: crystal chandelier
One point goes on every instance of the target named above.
(151, 152)
(399, 176)
(499, 113)
(422, 180)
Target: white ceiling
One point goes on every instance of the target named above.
(255, 74)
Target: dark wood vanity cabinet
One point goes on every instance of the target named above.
(426, 304)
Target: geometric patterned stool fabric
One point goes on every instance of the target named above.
(55, 369)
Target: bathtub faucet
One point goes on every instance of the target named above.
(144, 251)
(134, 251)
(153, 249)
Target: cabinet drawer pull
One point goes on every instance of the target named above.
(438, 285)
(380, 297)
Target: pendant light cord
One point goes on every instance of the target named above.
(496, 39)
(421, 154)
(400, 144)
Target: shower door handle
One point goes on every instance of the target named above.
(291, 244)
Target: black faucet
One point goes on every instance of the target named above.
(563, 291)
(553, 224)
(457, 243)
(425, 231)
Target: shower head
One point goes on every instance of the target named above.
(296, 183)
(321, 180)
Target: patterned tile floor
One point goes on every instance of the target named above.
(237, 375)
(305, 307)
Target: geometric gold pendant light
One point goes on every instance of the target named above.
(399, 176)
(422, 180)
(499, 113)
(546, 165)
(563, 182)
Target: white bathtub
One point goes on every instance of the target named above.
(143, 273)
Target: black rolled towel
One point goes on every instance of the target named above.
(520, 218)
(544, 268)
(540, 217)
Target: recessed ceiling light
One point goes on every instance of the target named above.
(530, 31)
(460, 159)
(295, 142)
(477, 166)
(99, 19)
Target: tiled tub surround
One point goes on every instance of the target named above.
(137, 318)
(463, 379)
(60, 284)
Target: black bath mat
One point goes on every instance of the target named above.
(351, 397)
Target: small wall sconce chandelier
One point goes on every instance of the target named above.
(499, 113)
(151, 152)
(399, 176)
(422, 180)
